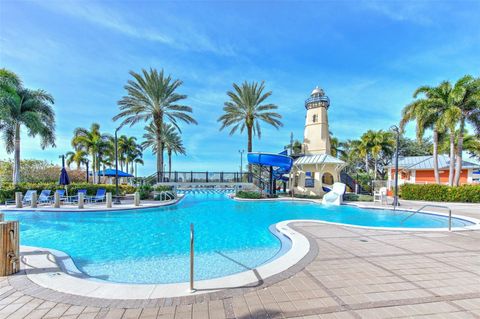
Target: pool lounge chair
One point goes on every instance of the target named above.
(44, 196)
(74, 199)
(61, 194)
(27, 198)
(99, 197)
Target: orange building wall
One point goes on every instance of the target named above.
(427, 176)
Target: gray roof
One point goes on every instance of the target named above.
(318, 159)
(426, 162)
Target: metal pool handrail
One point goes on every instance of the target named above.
(438, 206)
(192, 242)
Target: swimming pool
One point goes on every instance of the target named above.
(151, 245)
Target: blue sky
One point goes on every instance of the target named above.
(369, 56)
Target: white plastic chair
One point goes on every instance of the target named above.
(380, 196)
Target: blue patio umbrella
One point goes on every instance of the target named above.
(110, 172)
(64, 179)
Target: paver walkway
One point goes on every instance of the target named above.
(349, 273)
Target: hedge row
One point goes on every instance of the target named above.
(441, 193)
(248, 195)
(7, 190)
(357, 197)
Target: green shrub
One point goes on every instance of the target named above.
(307, 196)
(7, 190)
(357, 197)
(145, 191)
(248, 195)
(441, 193)
(163, 188)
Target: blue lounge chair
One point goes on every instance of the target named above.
(44, 196)
(74, 199)
(99, 197)
(61, 194)
(27, 198)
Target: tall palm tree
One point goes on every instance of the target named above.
(151, 96)
(22, 107)
(78, 157)
(433, 111)
(468, 96)
(245, 110)
(92, 142)
(170, 138)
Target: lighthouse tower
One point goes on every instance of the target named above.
(316, 138)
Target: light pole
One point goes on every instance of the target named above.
(241, 162)
(117, 199)
(395, 197)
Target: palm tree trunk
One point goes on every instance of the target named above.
(458, 167)
(16, 156)
(158, 125)
(366, 164)
(94, 169)
(435, 156)
(169, 164)
(249, 146)
(452, 158)
(376, 165)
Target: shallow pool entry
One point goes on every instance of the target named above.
(152, 245)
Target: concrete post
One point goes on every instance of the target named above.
(34, 200)
(81, 200)
(56, 198)
(18, 199)
(136, 199)
(108, 200)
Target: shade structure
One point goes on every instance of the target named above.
(64, 179)
(110, 172)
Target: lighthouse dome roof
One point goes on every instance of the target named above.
(317, 91)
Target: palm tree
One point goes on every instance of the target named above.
(170, 139)
(19, 107)
(245, 111)
(92, 142)
(334, 146)
(381, 143)
(151, 97)
(78, 157)
(434, 111)
(363, 147)
(132, 151)
(173, 144)
(468, 96)
(123, 145)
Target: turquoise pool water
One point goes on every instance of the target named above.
(151, 245)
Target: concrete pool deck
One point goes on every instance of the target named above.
(348, 273)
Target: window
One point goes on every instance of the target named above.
(315, 117)
(327, 179)
(309, 180)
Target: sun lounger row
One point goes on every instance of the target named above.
(45, 197)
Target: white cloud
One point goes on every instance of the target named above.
(181, 35)
(412, 11)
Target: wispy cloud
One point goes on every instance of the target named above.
(412, 11)
(179, 34)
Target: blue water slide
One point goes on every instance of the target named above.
(281, 163)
